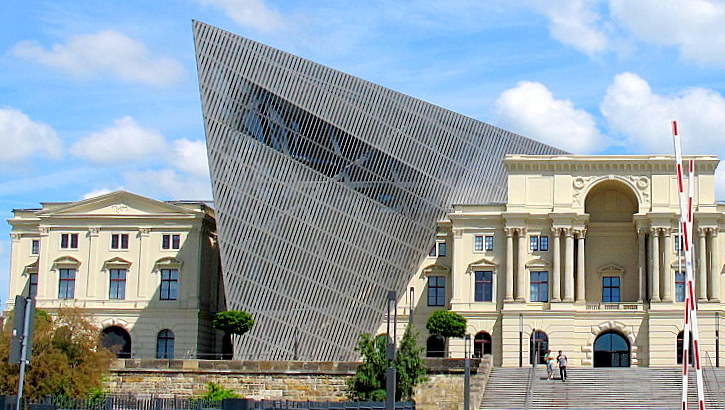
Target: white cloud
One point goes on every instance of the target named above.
(190, 156)
(250, 13)
(124, 141)
(530, 109)
(20, 137)
(644, 117)
(107, 51)
(99, 192)
(167, 183)
(575, 23)
(694, 26)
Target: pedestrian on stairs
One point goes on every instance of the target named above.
(562, 360)
(550, 361)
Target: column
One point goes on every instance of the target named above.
(509, 265)
(521, 271)
(580, 288)
(702, 266)
(568, 266)
(666, 269)
(556, 274)
(642, 263)
(714, 266)
(654, 238)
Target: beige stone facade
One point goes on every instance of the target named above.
(140, 268)
(585, 249)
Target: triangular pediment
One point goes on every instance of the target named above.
(611, 268)
(65, 262)
(538, 263)
(482, 263)
(116, 263)
(436, 269)
(118, 203)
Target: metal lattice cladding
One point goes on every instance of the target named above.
(328, 189)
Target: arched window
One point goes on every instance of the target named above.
(117, 340)
(481, 344)
(436, 346)
(538, 344)
(165, 344)
(680, 343)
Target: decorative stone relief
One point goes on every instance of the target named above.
(619, 327)
(120, 208)
(639, 183)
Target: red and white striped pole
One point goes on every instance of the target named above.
(686, 224)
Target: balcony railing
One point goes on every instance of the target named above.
(613, 306)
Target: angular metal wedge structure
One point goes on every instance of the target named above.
(328, 189)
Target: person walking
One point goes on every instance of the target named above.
(550, 361)
(563, 362)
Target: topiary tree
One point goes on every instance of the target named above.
(232, 322)
(447, 324)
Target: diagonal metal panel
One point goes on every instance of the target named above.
(328, 189)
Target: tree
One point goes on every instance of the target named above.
(232, 322)
(447, 324)
(67, 358)
(368, 384)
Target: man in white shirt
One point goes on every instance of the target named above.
(562, 360)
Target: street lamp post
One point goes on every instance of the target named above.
(467, 378)
(412, 305)
(521, 340)
(717, 339)
(390, 374)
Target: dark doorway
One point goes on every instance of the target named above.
(611, 350)
(538, 345)
(481, 344)
(436, 346)
(117, 340)
(680, 343)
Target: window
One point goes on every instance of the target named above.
(33, 285)
(35, 247)
(169, 241)
(165, 344)
(67, 284)
(679, 244)
(69, 241)
(438, 250)
(538, 243)
(483, 286)
(119, 241)
(610, 289)
(436, 291)
(539, 286)
(117, 287)
(169, 284)
(483, 243)
(680, 286)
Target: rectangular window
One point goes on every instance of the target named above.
(478, 243)
(483, 286)
(533, 243)
(610, 289)
(67, 284)
(119, 241)
(442, 249)
(169, 241)
(680, 286)
(35, 247)
(544, 243)
(169, 284)
(69, 241)
(539, 286)
(33, 285)
(432, 252)
(679, 244)
(436, 291)
(117, 287)
(489, 243)
(538, 243)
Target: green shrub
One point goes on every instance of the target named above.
(447, 324)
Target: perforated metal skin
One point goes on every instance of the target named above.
(328, 189)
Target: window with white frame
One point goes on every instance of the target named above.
(483, 286)
(539, 286)
(35, 247)
(117, 285)
(69, 241)
(119, 241)
(170, 241)
(66, 283)
(483, 243)
(611, 289)
(438, 250)
(678, 242)
(538, 243)
(680, 286)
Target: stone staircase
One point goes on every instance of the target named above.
(600, 388)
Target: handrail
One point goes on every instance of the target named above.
(717, 394)
(530, 386)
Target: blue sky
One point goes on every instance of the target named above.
(100, 95)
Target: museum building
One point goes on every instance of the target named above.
(584, 257)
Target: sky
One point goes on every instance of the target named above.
(99, 95)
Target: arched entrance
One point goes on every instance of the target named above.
(680, 343)
(436, 346)
(117, 340)
(481, 344)
(538, 345)
(611, 350)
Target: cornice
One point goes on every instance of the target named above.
(660, 164)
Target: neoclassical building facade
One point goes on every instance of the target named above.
(145, 272)
(583, 257)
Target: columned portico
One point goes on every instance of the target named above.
(556, 274)
(666, 270)
(568, 265)
(654, 274)
(521, 266)
(580, 281)
(714, 266)
(702, 266)
(641, 264)
(509, 264)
